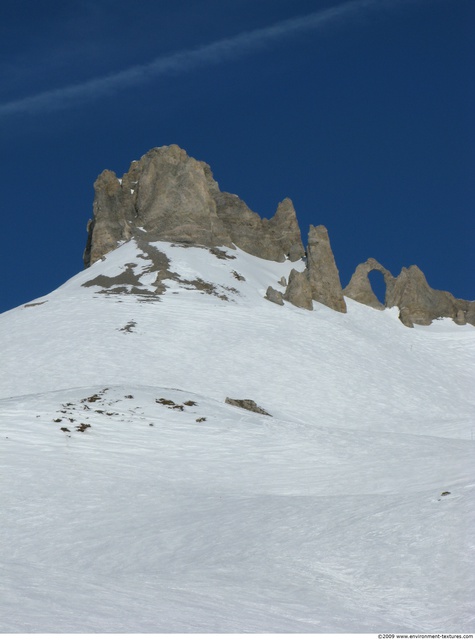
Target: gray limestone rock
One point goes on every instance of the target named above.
(418, 303)
(174, 197)
(273, 239)
(173, 201)
(113, 212)
(299, 291)
(286, 232)
(167, 195)
(274, 296)
(460, 317)
(320, 280)
(249, 405)
(359, 288)
(322, 270)
(470, 313)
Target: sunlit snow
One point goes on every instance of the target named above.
(134, 499)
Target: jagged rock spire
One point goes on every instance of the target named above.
(322, 270)
(320, 280)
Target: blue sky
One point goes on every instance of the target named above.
(360, 111)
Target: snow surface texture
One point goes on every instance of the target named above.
(134, 499)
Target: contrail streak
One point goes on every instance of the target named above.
(215, 53)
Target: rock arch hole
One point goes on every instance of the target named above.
(378, 285)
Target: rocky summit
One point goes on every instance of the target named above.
(169, 196)
(175, 198)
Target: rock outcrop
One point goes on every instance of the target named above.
(174, 197)
(113, 215)
(469, 313)
(359, 288)
(418, 303)
(299, 291)
(247, 404)
(167, 195)
(320, 281)
(322, 270)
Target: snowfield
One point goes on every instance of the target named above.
(134, 499)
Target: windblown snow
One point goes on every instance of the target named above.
(135, 499)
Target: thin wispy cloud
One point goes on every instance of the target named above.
(215, 53)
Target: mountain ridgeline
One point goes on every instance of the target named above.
(169, 196)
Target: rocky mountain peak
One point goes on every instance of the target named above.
(175, 198)
(169, 196)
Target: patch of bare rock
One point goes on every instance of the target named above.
(247, 404)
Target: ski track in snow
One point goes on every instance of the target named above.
(171, 511)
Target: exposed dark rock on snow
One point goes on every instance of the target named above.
(175, 198)
(125, 282)
(249, 405)
(129, 327)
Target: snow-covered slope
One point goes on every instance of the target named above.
(135, 499)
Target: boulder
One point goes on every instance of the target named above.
(274, 296)
(299, 291)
